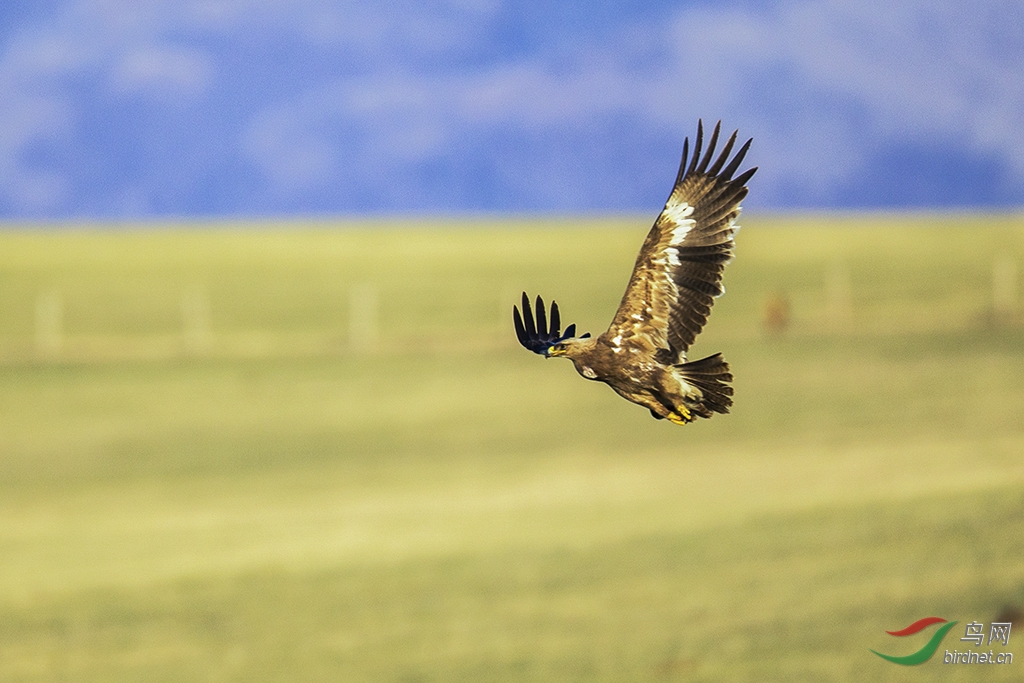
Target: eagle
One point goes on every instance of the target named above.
(675, 281)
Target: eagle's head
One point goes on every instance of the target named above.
(543, 338)
(569, 347)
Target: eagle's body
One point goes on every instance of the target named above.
(678, 273)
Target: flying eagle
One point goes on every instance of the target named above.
(677, 276)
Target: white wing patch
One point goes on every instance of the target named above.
(680, 215)
(670, 257)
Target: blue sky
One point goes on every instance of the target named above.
(126, 109)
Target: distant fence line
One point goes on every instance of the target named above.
(839, 306)
(197, 336)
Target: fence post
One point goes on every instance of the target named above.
(362, 318)
(1004, 285)
(838, 295)
(49, 323)
(196, 320)
(506, 298)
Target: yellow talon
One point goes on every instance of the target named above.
(685, 418)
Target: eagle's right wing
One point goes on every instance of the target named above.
(678, 271)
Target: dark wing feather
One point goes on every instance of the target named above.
(678, 272)
(539, 336)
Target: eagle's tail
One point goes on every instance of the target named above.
(711, 375)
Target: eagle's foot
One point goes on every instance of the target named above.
(680, 419)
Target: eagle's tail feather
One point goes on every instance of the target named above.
(711, 375)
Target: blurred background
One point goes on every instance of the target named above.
(263, 416)
(262, 107)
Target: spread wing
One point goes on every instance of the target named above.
(678, 272)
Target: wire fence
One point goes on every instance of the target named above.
(362, 328)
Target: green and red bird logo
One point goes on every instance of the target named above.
(925, 653)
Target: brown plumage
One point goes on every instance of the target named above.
(678, 274)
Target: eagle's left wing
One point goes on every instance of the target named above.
(679, 269)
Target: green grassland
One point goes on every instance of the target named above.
(315, 453)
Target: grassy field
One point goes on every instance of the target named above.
(304, 453)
